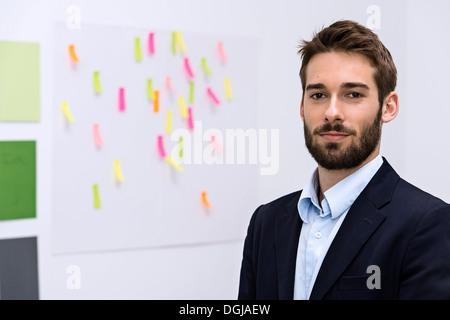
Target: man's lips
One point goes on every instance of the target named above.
(334, 136)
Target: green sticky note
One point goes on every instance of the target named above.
(17, 179)
(19, 81)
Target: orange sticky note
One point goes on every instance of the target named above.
(72, 53)
(205, 200)
(156, 101)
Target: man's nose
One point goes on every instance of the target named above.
(334, 112)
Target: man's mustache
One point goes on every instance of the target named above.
(336, 127)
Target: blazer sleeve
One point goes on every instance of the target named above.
(247, 283)
(426, 268)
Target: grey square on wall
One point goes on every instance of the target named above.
(18, 269)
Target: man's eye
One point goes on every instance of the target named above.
(355, 95)
(317, 96)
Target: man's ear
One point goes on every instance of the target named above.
(390, 107)
(302, 110)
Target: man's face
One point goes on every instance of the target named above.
(340, 110)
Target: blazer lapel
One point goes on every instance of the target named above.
(361, 221)
(287, 233)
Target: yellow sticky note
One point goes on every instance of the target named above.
(228, 92)
(137, 49)
(191, 91)
(66, 111)
(150, 92)
(174, 42)
(169, 121)
(182, 106)
(118, 171)
(97, 86)
(174, 164)
(180, 143)
(97, 203)
(180, 41)
(205, 67)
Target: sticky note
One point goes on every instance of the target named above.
(97, 86)
(156, 101)
(212, 95)
(169, 121)
(97, 135)
(118, 171)
(137, 49)
(180, 41)
(122, 106)
(190, 120)
(169, 85)
(205, 200)
(97, 203)
(174, 164)
(191, 91)
(217, 146)
(17, 179)
(161, 149)
(182, 107)
(150, 92)
(66, 111)
(205, 67)
(151, 43)
(228, 92)
(73, 54)
(174, 42)
(221, 51)
(180, 145)
(187, 67)
(19, 81)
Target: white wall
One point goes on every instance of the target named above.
(416, 143)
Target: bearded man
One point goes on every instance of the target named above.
(356, 230)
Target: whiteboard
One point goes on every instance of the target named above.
(155, 204)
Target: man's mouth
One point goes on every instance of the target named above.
(333, 136)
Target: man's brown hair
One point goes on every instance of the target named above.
(349, 36)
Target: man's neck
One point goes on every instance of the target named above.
(328, 178)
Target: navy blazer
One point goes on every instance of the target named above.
(392, 224)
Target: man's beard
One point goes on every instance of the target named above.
(332, 156)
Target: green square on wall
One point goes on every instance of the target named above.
(17, 179)
(19, 81)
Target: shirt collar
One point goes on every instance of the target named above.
(340, 197)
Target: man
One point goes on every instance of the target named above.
(357, 230)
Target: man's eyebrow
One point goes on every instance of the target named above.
(315, 86)
(351, 85)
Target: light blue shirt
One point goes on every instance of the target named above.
(320, 224)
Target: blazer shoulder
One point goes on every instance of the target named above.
(417, 197)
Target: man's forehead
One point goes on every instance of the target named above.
(338, 68)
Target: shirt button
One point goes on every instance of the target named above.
(318, 235)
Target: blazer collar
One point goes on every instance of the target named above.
(363, 218)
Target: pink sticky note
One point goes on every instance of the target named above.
(221, 51)
(169, 83)
(161, 149)
(97, 136)
(121, 99)
(151, 43)
(190, 120)
(187, 67)
(212, 95)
